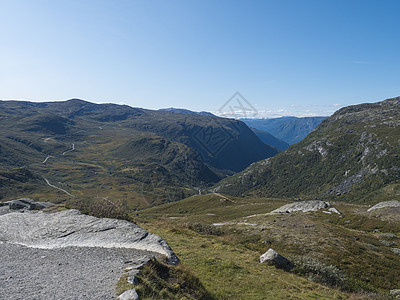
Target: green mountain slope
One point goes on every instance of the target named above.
(353, 156)
(96, 151)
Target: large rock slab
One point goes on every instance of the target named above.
(302, 206)
(72, 228)
(386, 204)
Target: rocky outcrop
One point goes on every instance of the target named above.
(271, 257)
(27, 203)
(302, 206)
(72, 228)
(386, 204)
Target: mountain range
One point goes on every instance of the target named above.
(91, 150)
(288, 129)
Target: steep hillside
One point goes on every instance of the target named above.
(353, 156)
(77, 150)
(269, 139)
(289, 129)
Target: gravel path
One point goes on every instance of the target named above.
(64, 273)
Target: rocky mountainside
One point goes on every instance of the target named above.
(352, 155)
(81, 150)
(289, 129)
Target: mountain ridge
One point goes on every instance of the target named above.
(352, 156)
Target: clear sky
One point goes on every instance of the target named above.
(285, 57)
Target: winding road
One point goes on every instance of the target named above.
(47, 181)
(56, 187)
(70, 150)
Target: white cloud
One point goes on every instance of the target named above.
(310, 110)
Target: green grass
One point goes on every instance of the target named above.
(231, 271)
(227, 263)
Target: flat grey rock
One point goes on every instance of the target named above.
(302, 206)
(386, 204)
(70, 228)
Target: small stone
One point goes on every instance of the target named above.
(129, 295)
(133, 280)
(334, 210)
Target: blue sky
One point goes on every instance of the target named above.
(285, 57)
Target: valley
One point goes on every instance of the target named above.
(210, 187)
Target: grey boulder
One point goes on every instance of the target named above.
(271, 257)
(129, 295)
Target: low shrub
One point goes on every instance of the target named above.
(205, 229)
(329, 275)
(103, 208)
(319, 272)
